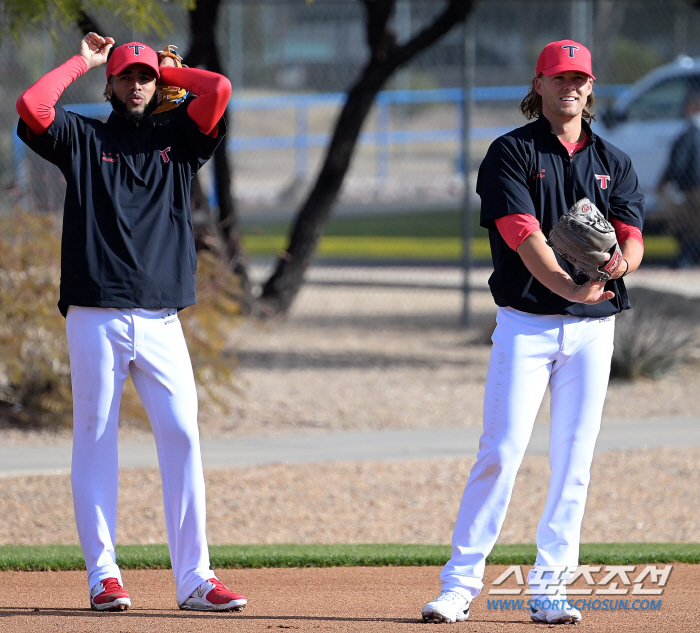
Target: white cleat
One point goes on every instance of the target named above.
(557, 612)
(450, 606)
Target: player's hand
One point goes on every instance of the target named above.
(591, 292)
(94, 49)
(167, 61)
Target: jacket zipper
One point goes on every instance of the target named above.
(569, 182)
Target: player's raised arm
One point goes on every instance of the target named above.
(36, 105)
(212, 89)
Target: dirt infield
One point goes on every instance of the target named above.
(336, 599)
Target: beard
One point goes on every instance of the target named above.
(135, 118)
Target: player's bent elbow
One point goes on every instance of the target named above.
(224, 87)
(222, 90)
(29, 112)
(25, 106)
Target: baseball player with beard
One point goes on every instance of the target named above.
(554, 329)
(127, 266)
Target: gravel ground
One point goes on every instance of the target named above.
(376, 358)
(335, 599)
(635, 496)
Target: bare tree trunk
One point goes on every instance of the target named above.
(385, 57)
(203, 52)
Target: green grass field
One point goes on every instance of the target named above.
(428, 235)
(69, 557)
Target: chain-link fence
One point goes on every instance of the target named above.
(290, 63)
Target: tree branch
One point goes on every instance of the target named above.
(456, 11)
(380, 39)
(86, 24)
(286, 280)
(204, 52)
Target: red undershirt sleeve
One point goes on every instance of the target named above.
(36, 105)
(515, 228)
(626, 231)
(212, 89)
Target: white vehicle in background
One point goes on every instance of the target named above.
(645, 120)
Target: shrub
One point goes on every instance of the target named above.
(35, 387)
(659, 333)
(34, 367)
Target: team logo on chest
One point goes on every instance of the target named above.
(109, 157)
(164, 154)
(603, 180)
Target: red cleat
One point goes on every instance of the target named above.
(213, 595)
(109, 595)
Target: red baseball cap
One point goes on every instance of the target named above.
(558, 57)
(132, 53)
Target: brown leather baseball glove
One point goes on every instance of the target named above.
(584, 237)
(170, 97)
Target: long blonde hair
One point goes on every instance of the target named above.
(531, 105)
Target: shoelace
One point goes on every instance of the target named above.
(450, 595)
(111, 585)
(218, 585)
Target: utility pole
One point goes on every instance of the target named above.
(467, 110)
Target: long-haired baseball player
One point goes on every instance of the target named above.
(127, 266)
(554, 327)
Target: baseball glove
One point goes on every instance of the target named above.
(169, 97)
(583, 237)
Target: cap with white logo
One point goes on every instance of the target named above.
(132, 53)
(558, 57)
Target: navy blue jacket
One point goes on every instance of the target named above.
(529, 171)
(127, 228)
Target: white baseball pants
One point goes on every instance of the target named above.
(106, 345)
(572, 355)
